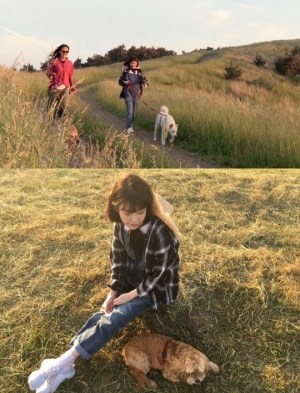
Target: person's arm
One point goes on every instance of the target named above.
(143, 79)
(161, 261)
(118, 259)
(125, 297)
(109, 301)
(71, 82)
(123, 79)
(50, 72)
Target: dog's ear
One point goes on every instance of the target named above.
(171, 125)
(214, 368)
(193, 363)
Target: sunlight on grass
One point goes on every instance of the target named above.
(239, 293)
(249, 123)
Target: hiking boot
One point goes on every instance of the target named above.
(129, 130)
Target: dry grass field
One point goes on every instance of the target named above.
(239, 297)
(252, 122)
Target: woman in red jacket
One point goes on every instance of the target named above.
(60, 73)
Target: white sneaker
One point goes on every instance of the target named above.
(129, 130)
(53, 382)
(38, 378)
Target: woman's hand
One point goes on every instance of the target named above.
(109, 302)
(125, 298)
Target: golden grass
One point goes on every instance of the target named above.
(31, 138)
(252, 122)
(239, 295)
(248, 123)
(245, 134)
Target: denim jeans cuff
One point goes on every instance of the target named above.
(82, 352)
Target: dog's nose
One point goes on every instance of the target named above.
(197, 381)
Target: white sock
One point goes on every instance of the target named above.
(66, 360)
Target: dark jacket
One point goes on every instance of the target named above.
(161, 281)
(142, 80)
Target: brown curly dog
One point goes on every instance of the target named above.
(179, 362)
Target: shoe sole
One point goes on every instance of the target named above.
(52, 388)
(32, 383)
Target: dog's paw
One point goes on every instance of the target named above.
(151, 384)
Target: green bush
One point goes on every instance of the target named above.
(232, 71)
(289, 64)
(259, 61)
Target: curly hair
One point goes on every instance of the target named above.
(55, 54)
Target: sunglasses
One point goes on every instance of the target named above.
(64, 51)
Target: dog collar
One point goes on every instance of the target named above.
(165, 351)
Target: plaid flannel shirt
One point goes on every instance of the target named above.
(126, 76)
(161, 282)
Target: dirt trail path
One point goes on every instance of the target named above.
(183, 158)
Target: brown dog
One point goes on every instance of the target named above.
(178, 362)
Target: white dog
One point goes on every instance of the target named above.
(167, 125)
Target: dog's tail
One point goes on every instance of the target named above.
(164, 109)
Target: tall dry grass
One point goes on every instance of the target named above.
(249, 123)
(31, 137)
(252, 122)
(238, 132)
(239, 278)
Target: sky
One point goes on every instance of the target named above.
(31, 29)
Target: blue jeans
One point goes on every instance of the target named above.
(100, 328)
(131, 102)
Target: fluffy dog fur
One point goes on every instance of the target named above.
(79, 148)
(167, 124)
(182, 363)
(74, 139)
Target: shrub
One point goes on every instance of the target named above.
(232, 71)
(259, 61)
(289, 65)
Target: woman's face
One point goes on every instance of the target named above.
(64, 52)
(133, 64)
(132, 220)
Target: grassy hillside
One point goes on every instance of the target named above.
(252, 122)
(249, 123)
(239, 293)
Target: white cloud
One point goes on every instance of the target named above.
(24, 49)
(33, 30)
(220, 17)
